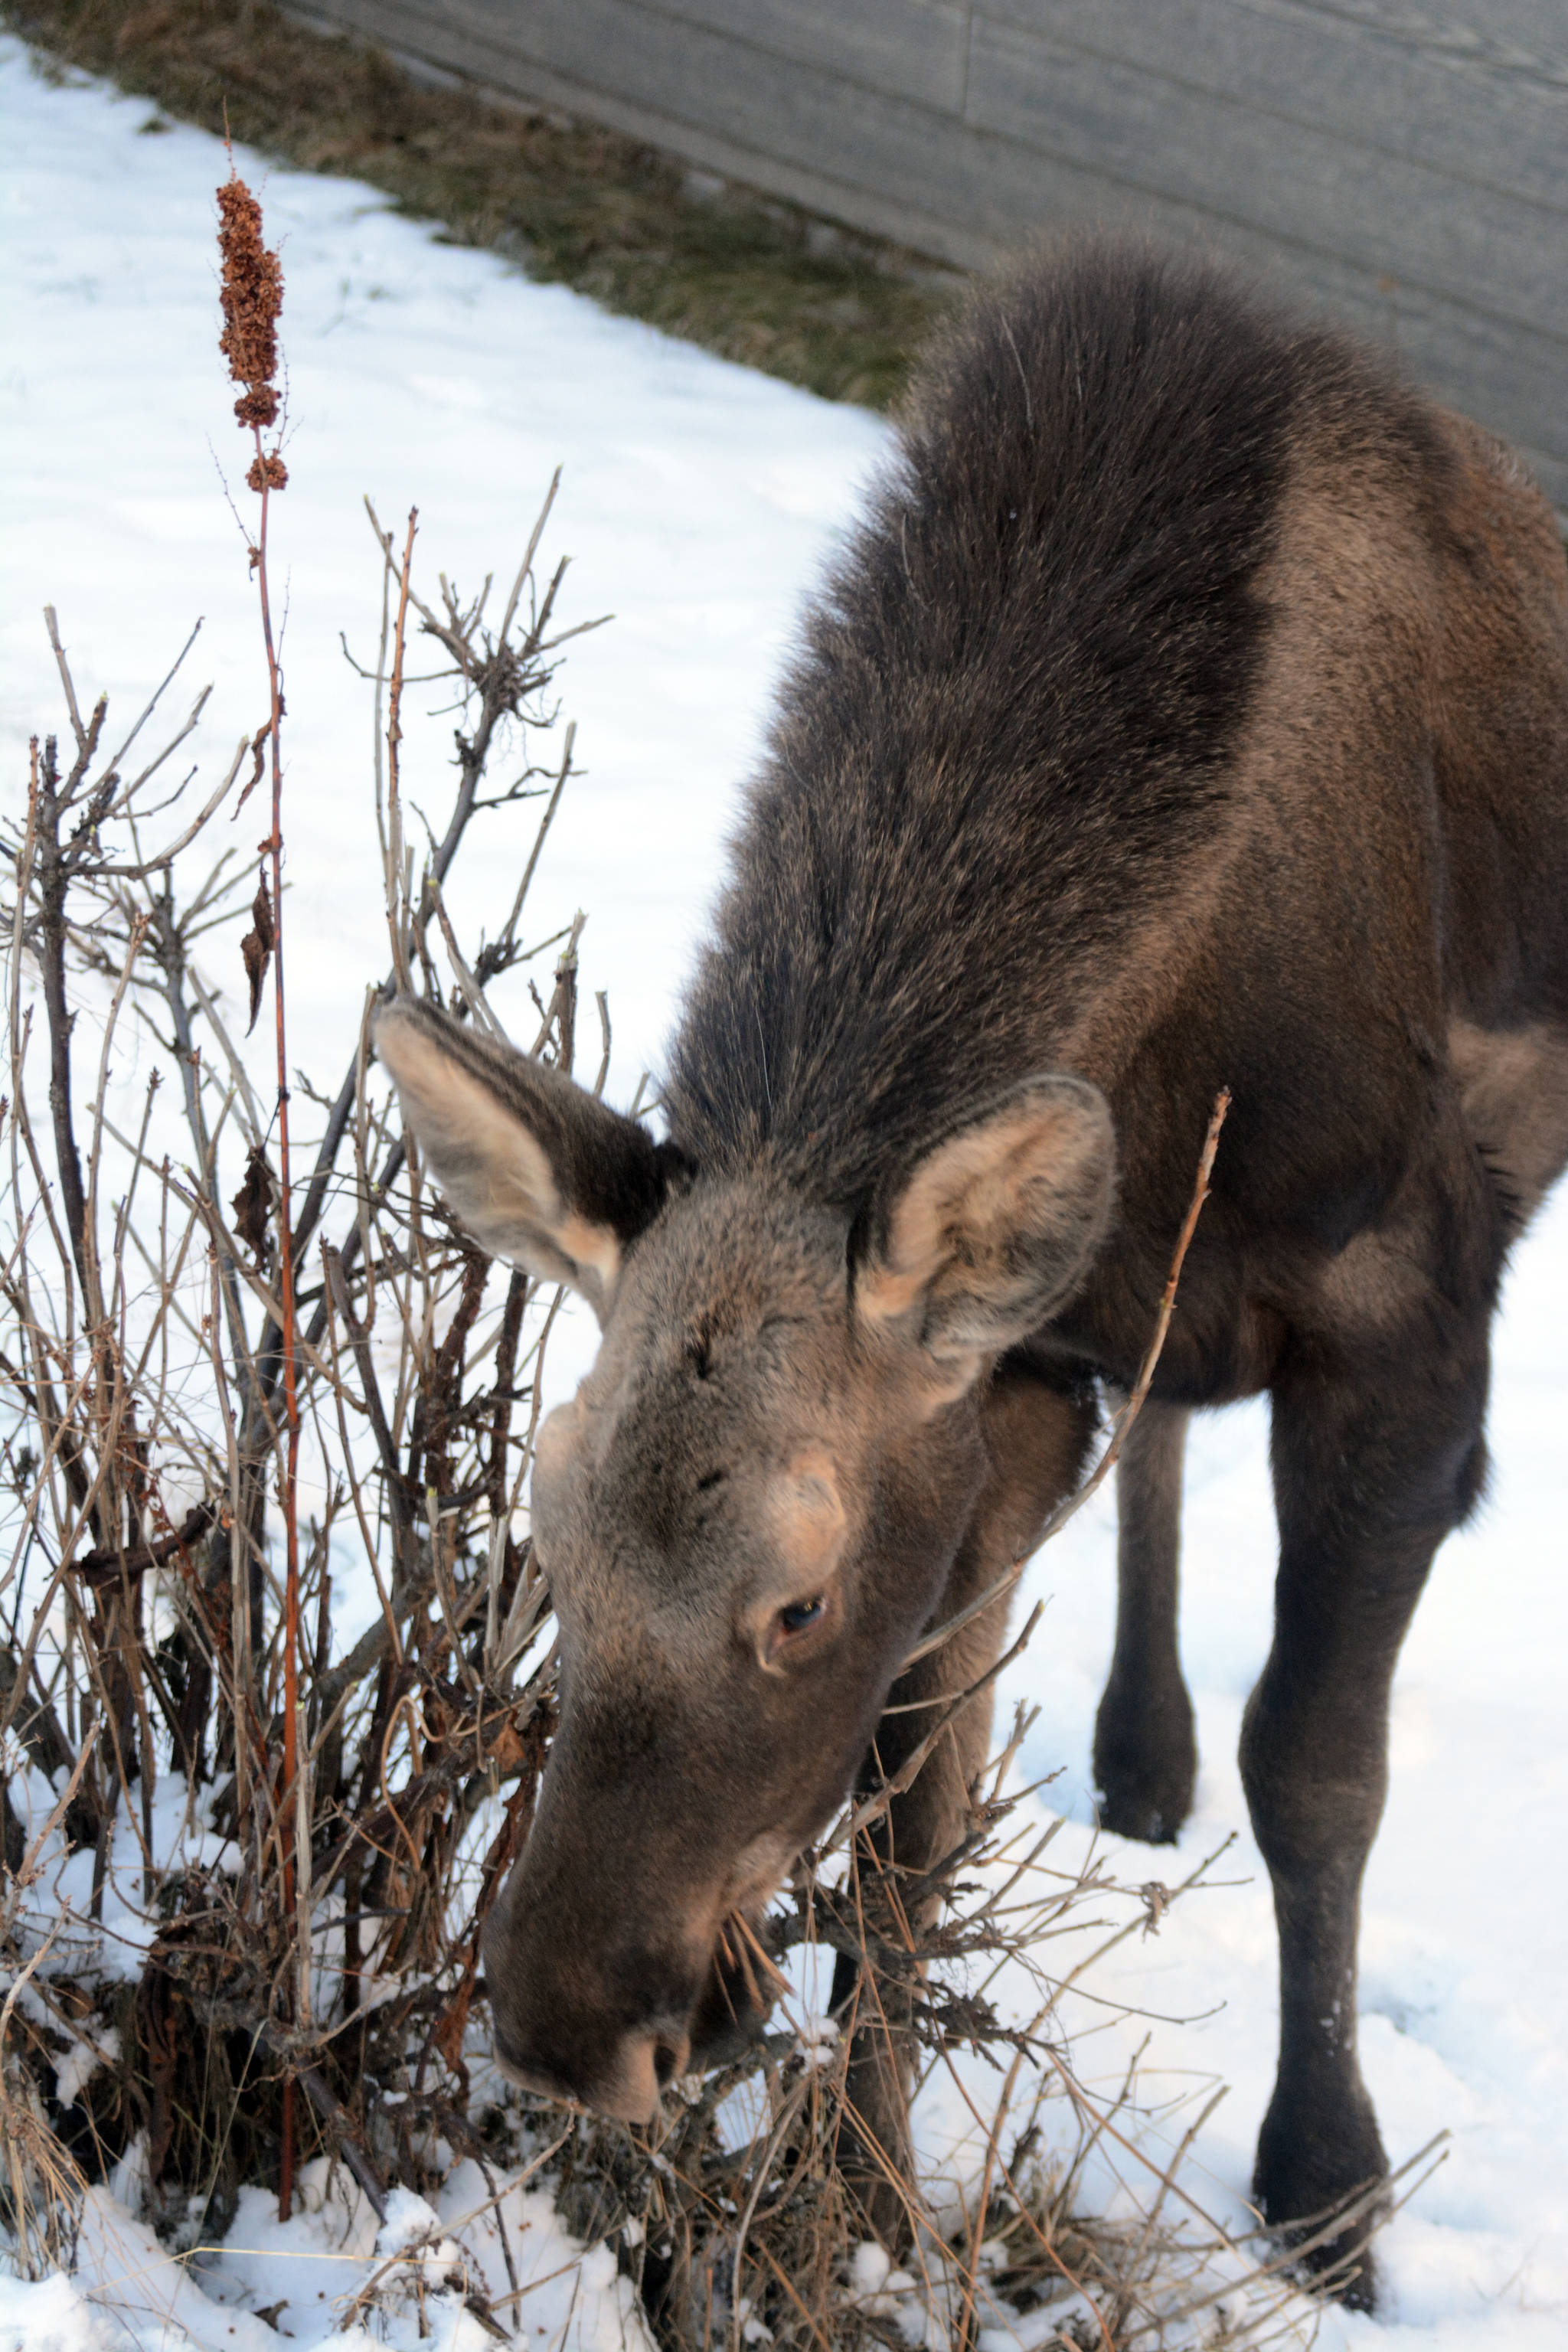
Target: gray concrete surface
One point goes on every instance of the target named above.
(1403, 168)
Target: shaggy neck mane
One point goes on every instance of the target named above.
(1009, 719)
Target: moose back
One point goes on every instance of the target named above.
(1190, 709)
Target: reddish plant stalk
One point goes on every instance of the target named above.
(252, 299)
(288, 1497)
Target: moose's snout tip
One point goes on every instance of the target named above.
(646, 2063)
(627, 2092)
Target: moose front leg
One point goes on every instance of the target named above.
(1370, 1475)
(1145, 1752)
(1036, 1437)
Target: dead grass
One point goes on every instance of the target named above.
(751, 280)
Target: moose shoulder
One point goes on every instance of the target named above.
(1190, 708)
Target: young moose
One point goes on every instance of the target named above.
(1191, 709)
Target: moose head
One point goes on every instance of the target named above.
(747, 1515)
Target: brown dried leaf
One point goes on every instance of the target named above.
(452, 2029)
(252, 1206)
(258, 763)
(256, 946)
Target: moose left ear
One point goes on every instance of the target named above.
(996, 1225)
(537, 1168)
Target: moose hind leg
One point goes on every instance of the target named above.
(1145, 1749)
(1370, 1473)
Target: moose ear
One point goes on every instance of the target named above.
(535, 1167)
(996, 1225)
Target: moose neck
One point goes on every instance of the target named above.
(1003, 744)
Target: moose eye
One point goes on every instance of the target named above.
(800, 1614)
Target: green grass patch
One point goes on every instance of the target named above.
(752, 279)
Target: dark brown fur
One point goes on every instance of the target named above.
(1191, 709)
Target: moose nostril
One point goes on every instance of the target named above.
(667, 2063)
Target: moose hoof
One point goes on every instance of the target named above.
(1145, 1765)
(1341, 2269)
(1147, 1809)
(1303, 2198)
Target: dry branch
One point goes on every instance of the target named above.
(150, 1419)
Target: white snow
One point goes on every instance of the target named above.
(53, 2315)
(698, 501)
(81, 2063)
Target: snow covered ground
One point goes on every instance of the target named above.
(697, 502)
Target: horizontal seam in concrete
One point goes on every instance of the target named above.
(1521, 66)
(1553, 215)
(1402, 283)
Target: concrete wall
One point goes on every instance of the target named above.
(1404, 168)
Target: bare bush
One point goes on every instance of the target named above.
(149, 1451)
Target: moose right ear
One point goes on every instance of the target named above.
(995, 1226)
(536, 1168)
